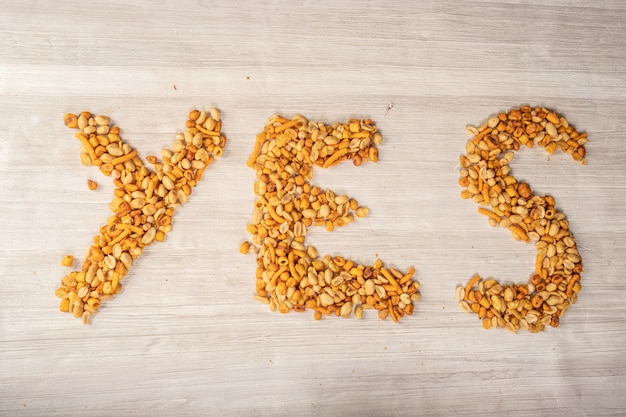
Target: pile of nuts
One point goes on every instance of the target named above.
(144, 201)
(290, 275)
(485, 174)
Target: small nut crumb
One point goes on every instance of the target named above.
(244, 248)
(92, 184)
(70, 120)
(68, 260)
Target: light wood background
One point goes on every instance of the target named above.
(186, 338)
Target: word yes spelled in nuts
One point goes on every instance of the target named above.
(290, 275)
(143, 204)
(485, 174)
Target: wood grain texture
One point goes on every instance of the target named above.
(185, 338)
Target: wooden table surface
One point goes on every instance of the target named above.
(185, 337)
